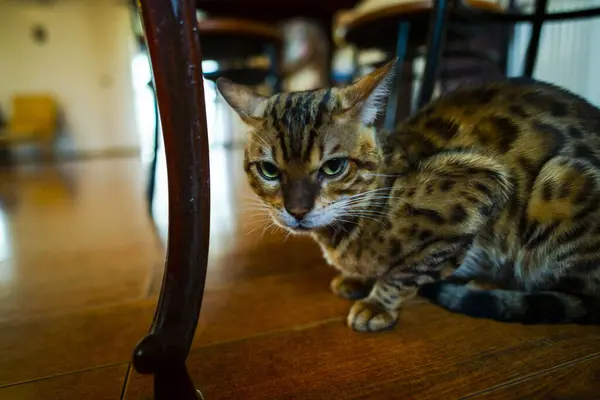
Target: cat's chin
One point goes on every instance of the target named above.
(300, 230)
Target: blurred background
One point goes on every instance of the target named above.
(83, 184)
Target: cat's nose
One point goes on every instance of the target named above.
(298, 212)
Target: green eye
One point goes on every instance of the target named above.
(268, 170)
(334, 167)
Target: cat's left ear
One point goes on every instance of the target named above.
(368, 97)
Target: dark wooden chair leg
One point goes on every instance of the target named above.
(536, 32)
(391, 115)
(174, 49)
(438, 29)
(174, 382)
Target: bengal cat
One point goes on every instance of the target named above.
(501, 180)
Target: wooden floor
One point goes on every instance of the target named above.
(80, 268)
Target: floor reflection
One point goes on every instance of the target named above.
(74, 235)
(6, 267)
(77, 234)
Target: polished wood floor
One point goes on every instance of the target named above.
(80, 268)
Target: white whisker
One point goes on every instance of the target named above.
(384, 175)
(261, 139)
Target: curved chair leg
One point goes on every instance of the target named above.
(438, 29)
(174, 382)
(174, 51)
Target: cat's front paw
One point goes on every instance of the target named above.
(351, 288)
(367, 316)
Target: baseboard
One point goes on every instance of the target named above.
(73, 155)
(81, 155)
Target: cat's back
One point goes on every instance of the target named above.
(515, 117)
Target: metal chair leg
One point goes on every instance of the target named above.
(401, 50)
(355, 66)
(534, 42)
(274, 68)
(174, 49)
(438, 29)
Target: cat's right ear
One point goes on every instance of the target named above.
(244, 101)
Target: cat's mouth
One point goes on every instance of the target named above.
(314, 220)
(298, 226)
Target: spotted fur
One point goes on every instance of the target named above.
(501, 181)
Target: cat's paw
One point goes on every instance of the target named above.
(351, 288)
(366, 316)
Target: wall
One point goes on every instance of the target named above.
(85, 63)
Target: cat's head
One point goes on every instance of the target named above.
(308, 153)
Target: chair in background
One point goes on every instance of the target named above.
(275, 12)
(243, 50)
(239, 46)
(34, 120)
(408, 29)
(458, 10)
(442, 13)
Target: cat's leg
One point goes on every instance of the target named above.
(380, 310)
(350, 287)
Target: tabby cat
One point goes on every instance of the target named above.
(501, 181)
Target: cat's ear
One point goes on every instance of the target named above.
(244, 101)
(368, 97)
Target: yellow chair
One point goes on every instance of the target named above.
(34, 119)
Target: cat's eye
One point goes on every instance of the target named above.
(334, 167)
(268, 170)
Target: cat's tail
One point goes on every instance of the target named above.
(513, 306)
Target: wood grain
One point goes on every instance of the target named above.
(42, 347)
(98, 384)
(575, 382)
(431, 355)
(74, 236)
(267, 304)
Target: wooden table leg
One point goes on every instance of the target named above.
(174, 49)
